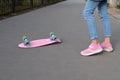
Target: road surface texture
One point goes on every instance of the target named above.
(59, 61)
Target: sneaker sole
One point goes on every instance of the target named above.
(108, 50)
(93, 53)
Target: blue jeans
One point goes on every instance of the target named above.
(88, 14)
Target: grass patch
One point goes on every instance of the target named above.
(118, 6)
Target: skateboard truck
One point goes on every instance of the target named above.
(26, 40)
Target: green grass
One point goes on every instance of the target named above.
(118, 6)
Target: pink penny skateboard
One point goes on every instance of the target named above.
(39, 43)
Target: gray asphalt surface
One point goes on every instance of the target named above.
(58, 61)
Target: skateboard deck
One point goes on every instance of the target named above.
(39, 43)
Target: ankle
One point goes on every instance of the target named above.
(95, 41)
(107, 40)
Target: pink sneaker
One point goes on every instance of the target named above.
(107, 47)
(92, 49)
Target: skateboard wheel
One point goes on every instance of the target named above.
(53, 37)
(51, 33)
(26, 40)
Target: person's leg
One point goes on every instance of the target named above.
(88, 13)
(102, 7)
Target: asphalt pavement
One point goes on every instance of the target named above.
(58, 61)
